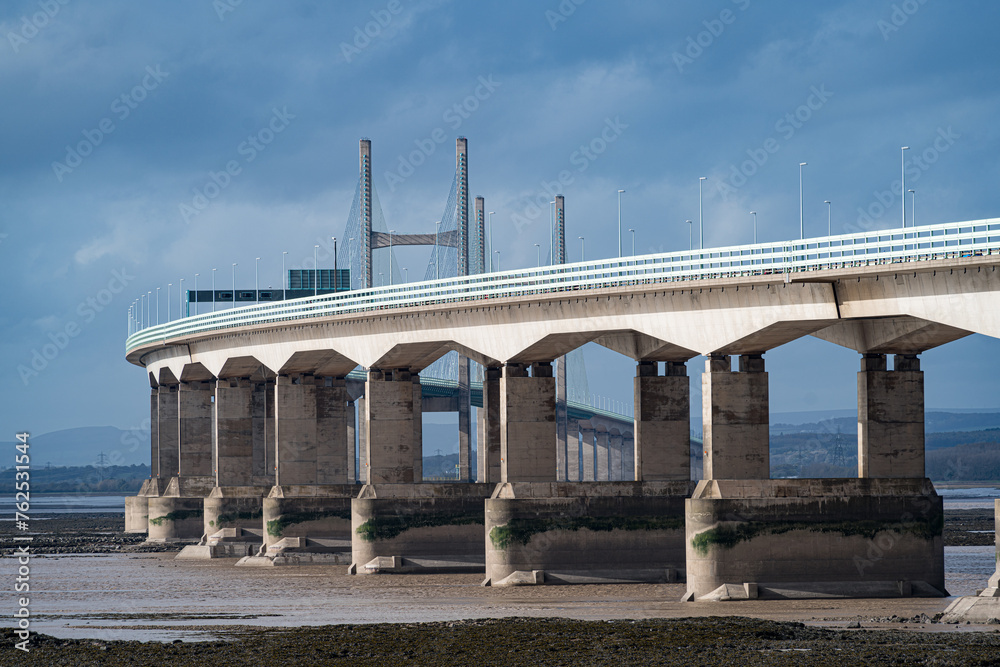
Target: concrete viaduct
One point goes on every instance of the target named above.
(254, 425)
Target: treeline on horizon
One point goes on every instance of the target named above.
(82, 479)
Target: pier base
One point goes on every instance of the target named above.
(574, 533)
(177, 514)
(137, 506)
(814, 538)
(403, 528)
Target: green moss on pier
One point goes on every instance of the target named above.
(520, 530)
(388, 527)
(276, 527)
(177, 515)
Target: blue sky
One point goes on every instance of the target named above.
(161, 96)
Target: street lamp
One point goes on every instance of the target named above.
(213, 289)
(169, 285)
(913, 208)
(336, 280)
(690, 227)
(406, 277)
(498, 259)
(180, 300)
(142, 311)
(802, 234)
(902, 178)
(284, 279)
(582, 249)
(234, 283)
(829, 217)
(754, 214)
(256, 274)
(437, 249)
(538, 256)
(315, 269)
(701, 216)
(196, 293)
(158, 306)
(381, 280)
(391, 232)
(633, 242)
(490, 215)
(620, 222)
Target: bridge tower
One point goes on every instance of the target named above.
(559, 254)
(366, 209)
(462, 203)
(479, 247)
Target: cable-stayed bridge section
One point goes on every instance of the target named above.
(256, 401)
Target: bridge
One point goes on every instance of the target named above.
(256, 411)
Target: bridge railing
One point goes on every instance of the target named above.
(914, 244)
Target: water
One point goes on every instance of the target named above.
(48, 505)
(969, 499)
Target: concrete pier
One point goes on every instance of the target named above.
(390, 428)
(890, 417)
(735, 418)
(528, 423)
(403, 528)
(588, 438)
(575, 533)
(662, 422)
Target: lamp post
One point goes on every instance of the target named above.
(582, 249)
(180, 300)
(234, 283)
(350, 243)
(391, 232)
(213, 289)
(336, 276)
(690, 224)
(802, 234)
(490, 216)
(196, 293)
(169, 285)
(315, 269)
(498, 259)
(406, 276)
(256, 275)
(142, 311)
(538, 256)
(381, 280)
(158, 306)
(633, 242)
(913, 208)
(701, 216)
(284, 279)
(902, 178)
(620, 222)
(754, 214)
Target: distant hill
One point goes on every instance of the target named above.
(82, 479)
(85, 445)
(935, 421)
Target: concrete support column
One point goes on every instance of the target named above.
(573, 450)
(154, 425)
(295, 429)
(263, 448)
(195, 432)
(234, 432)
(528, 424)
(362, 440)
(489, 442)
(331, 431)
(167, 431)
(628, 458)
(602, 449)
(352, 442)
(418, 429)
(662, 422)
(389, 427)
(735, 418)
(587, 437)
(464, 422)
(615, 455)
(891, 417)
(562, 450)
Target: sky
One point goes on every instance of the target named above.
(142, 143)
